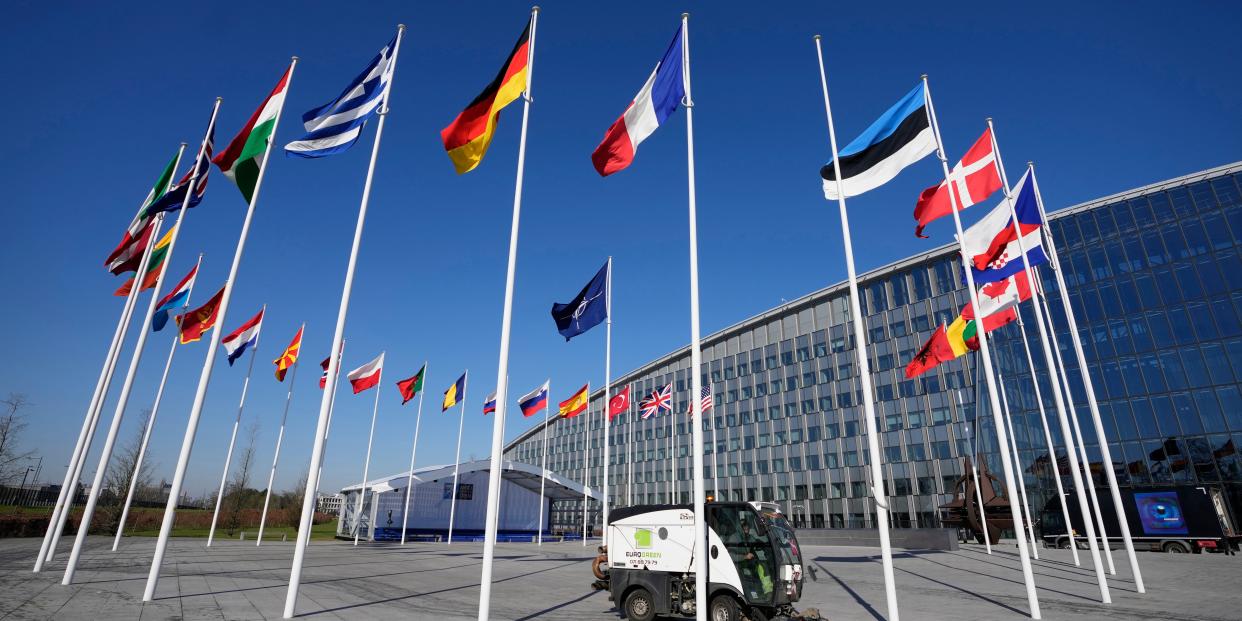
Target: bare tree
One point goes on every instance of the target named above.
(12, 423)
(122, 473)
(240, 496)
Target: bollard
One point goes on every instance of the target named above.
(242, 536)
(284, 538)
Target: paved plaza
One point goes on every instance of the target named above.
(236, 580)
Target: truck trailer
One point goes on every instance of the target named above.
(1176, 519)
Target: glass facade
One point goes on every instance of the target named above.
(1156, 284)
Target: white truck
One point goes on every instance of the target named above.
(754, 567)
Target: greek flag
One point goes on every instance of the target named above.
(334, 127)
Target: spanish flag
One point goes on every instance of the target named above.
(194, 324)
(455, 393)
(466, 139)
(576, 404)
(289, 356)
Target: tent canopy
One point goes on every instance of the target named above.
(516, 473)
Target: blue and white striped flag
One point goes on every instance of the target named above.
(334, 127)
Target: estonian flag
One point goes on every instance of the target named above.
(899, 138)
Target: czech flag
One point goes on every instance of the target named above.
(534, 401)
(243, 338)
(992, 245)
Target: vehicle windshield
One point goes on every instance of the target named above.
(783, 533)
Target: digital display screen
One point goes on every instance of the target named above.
(465, 491)
(1160, 513)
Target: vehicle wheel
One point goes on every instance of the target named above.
(639, 606)
(1063, 544)
(1175, 547)
(724, 608)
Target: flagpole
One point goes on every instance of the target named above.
(409, 480)
(672, 423)
(864, 368)
(155, 408)
(586, 467)
(461, 423)
(974, 472)
(502, 370)
(228, 457)
(607, 391)
(716, 449)
(328, 429)
(1089, 387)
(366, 465)
(1017, 460)
(629, 450)
(1066, 432)
(1011, 488)
(543, 466)
(68, 489)
(1043, 419)
(280, 436)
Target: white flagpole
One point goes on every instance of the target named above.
(1105, 596)
(155, 408)
(543, 466)
(118, 413)
(974, 470)
(328, 430)
(672, 426)
(1052, 452)
(325, 402)
(1017, 460)
(228, 457)
(1011, 488)
(280, 436)
(366, 465)
(629, 450)
(409, 479)
(1095, 410)
(607, 393)
(711, 420)
(864, 368)
(461, 423)
(586, 468)
(502, 370)
(200, 395)
(68, 489)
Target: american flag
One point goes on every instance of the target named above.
(705, 399)
(660, 399)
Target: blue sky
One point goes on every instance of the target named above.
(1102, 97)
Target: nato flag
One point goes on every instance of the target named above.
(587, 310)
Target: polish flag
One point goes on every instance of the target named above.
(653, 104)
(974, 179)
(367, 375)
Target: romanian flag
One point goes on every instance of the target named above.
(466, 139)
(194, 324)
(455, 393)
(576, 404)
(289, 356)
(154, 264)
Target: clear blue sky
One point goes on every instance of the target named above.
(1103, 98)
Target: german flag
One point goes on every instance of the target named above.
(466, 139)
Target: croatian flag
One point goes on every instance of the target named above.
(367, 375)
(242, 338)
(175, 298)
(991, 244)
(534, 401)
(489, 404)
(655, 101)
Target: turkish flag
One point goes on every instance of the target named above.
(619, 403)
(974, 179)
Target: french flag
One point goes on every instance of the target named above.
(535, 401)
(655, 101)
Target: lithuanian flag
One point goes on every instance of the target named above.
(962, 336)
(466, 139)
(154, 264)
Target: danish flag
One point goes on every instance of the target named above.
(974, 179)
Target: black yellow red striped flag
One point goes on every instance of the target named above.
(466, 139)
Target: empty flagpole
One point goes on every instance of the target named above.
(974, 471)
(543, 466)
(1011, 488)
(228, 457)
(155, 408)
(366, 464)
(629, 450)
(1013, 437)
(502, 371)
(716, 449)
(1058, 399)
(409, 479)
(864, 368)
(56, 523)
(607, 391)
(325, 402)
(465, 385)
(328, 429)
(280, 436)
(1089, 387)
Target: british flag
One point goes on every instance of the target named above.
(660, 399)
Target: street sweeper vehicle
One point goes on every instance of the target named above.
(754, 563)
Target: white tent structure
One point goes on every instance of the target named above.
(427, 516)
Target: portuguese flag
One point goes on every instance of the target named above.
(411, 386)
(158, 254)
(241, 160)
(466, 139)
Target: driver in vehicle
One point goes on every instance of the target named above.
(743, 542)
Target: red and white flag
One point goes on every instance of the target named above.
(367, 375)
(619, 403)
(974, 179)
(998, 301)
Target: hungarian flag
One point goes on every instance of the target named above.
(240, 161)
(141, 220)
(367, 375)
(243, 338)
(154, 264)
(534, 401)
(289, 356)
(194, 324)
(179, 296)
(576, 404)
(466, 139)
(935, 351)
(974, 179)
(411, 386)
(619, 403)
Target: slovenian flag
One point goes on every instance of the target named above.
(243, 338)
(489, 404)
(899, 138)
(179, 296)
(653, 104)
(991, 244)
(367, 375)
(534, 401)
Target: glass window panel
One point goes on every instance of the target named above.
(1196, 238)
(1201, 318)
(1209, 273)
(1226, 191)
(1126, 428)
(1142, 211)
(1217, 231)
(1209, 410)
(1145, 418)
(1169, 291)
(1148, 295)
(1187, 416)
(1124, 217)
(1180, 318)
(1156, 254)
